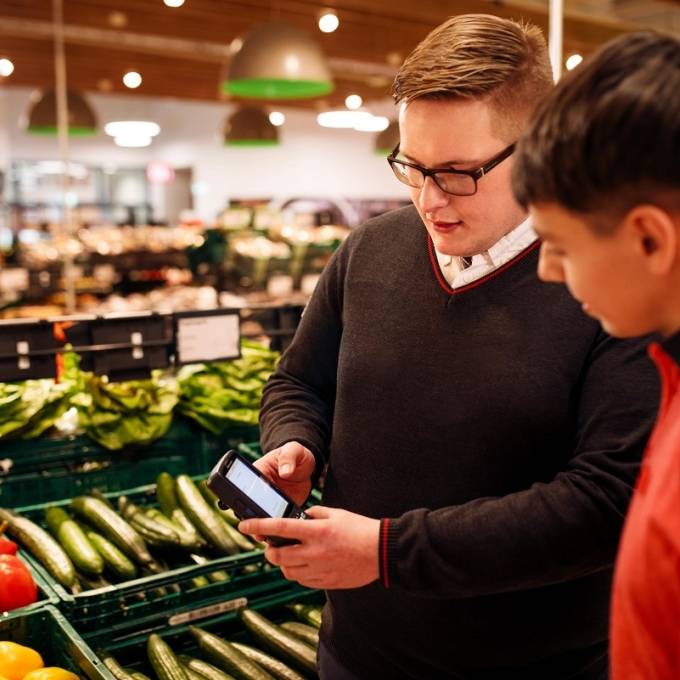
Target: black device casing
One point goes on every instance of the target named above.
(230, 496)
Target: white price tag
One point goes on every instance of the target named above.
(210, 610)
(208, 338)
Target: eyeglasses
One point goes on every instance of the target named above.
(456, 182)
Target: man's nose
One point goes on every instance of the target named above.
(432, 197)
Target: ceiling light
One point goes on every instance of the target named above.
(174, 3)
(132, 79)
(342, 119)
(117, 19)
(328, 21)
(42, 115)
(388, 139)
(372, 124)
(250, 126)
(353, 101)
(573, 61)
(6, 68)
(277, 118)
(130, 128)
(132, 141)
(278, 61)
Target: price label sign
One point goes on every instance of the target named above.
(213, 335)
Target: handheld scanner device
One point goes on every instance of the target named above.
(243, 488)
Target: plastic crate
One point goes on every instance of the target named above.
(63, 468)
(152, 600)
(48, 632)
(130, 648)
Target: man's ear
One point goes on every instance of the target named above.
(655, 236)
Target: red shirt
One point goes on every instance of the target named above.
(645, 626)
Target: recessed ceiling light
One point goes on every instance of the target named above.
(573, 61)
(341, 119)
(353, 101)
(328, 21)
(132, 79)
(174, 3)
(132, 141)
(129, 128)
(277, 118)
(6, 68)
(117, 19)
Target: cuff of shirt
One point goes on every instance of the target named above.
(387, 552)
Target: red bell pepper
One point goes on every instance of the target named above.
(7, 547)
(17, 587)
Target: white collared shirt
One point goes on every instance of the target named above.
(513, 243)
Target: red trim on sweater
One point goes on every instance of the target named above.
(383, 552)
(453, 291)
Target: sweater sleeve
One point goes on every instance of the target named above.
(551, 532)
(297, 402)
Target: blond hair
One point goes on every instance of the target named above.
(480, 56)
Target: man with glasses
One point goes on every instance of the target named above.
(481, 434)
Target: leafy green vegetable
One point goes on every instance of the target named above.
(223, 394)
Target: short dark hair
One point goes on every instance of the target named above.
(608, 137)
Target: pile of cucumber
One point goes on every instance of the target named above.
(280, 652)
(95, 544)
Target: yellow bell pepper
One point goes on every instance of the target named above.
(16, 661)
(51, 673)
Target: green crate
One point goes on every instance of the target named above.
(49, 633)
(253, 451)
(130, 648)
(153, 599)
(63, 468)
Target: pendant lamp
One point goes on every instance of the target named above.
(278, 61)
(42, 116)
(250, 126)
(387, 139)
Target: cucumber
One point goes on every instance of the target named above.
(211, 499)
(140, 676)
(114, 560)
(204, 669)
(308, 634)
(38, 542)
(278, 641)
(224, 655)
(219, 576)
(97, 513)
(241, 541)
(191, 674)
(277, 668)
(163, 660)
(187, 539)
(204, 517)
(113, 666)
(158, 534)
(88, 582)
(307, 613)
(74, 542)
(167, 500)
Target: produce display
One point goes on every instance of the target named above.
(18, 662)
(259, 649)
(88, 543)
(137, 412)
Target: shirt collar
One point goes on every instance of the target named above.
(493, 256)
(671, 346)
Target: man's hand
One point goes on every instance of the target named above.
(290, 467)
(338, 549)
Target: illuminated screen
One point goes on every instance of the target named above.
(254, 487)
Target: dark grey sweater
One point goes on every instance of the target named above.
(496, 430)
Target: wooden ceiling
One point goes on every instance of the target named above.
(183, 52)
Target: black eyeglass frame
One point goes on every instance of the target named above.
(475, 175)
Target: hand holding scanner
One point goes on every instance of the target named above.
(243, 488)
